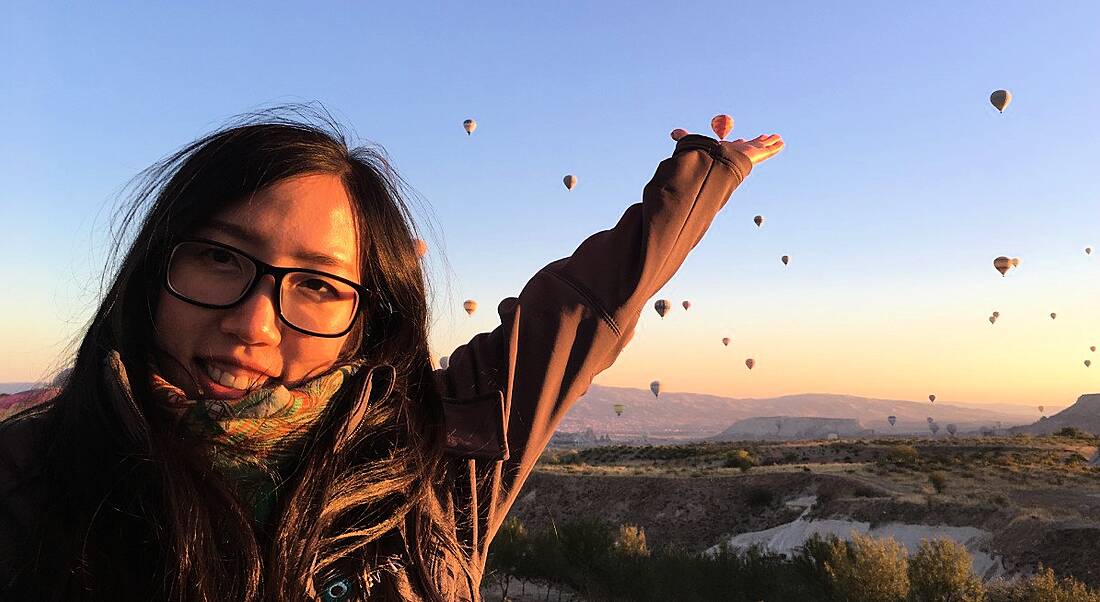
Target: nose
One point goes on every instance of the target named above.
(255, 321)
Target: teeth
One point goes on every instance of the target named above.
(226, 379)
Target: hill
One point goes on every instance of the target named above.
(677, 415)
(1084, 414)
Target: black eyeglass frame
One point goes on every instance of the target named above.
(262, 269)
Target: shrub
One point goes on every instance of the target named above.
(1071, 431)
(739, 459)
(902, 455)
(630, 541)
(867, 570)
(941, 571)
(939, 481)
(1043, 586)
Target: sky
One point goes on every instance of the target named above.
(899, 185)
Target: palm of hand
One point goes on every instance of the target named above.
(758, 149)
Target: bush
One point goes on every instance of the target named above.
(941, 571)
(1071, 431)
(1043, 586)
(939, 481)
(631, 541)
(739, 459)
(866, 569)
(902, 455)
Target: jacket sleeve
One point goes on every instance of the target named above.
(569, 323)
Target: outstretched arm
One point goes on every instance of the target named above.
(571, 321)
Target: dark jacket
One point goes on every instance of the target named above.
(506, 391)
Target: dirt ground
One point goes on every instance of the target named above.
(1040, 497)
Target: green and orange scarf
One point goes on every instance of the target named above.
(253, 438)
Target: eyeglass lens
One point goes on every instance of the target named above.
(213, 275)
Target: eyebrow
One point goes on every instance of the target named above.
(252, 238)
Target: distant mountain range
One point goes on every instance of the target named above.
(695, 415)
(20, 387)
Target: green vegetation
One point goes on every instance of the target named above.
(600, 562)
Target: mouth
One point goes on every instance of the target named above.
(225, 381)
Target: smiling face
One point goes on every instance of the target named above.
(304, 222)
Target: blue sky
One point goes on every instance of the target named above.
(899, 185)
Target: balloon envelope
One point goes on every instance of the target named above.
(619, 409)
(662, 306)
(1041, 408)
(722, 125)
(932, 398)
(892, 419)
(1088, 363)
(470, 125)
(655, 386)
(470, 306)
(1000, 99)
(1088, 250)
(951, 428)
(1003, 264)
(785, 259)
(1015, 262)
(930, 421)
(992, 319)
(750, 363)
(445, 361)
(726, 341)
(570, 181)
(1053, 315)
(686, 304)
(996, 314)
(758, 220)
(1092, 348)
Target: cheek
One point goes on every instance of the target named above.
(177, 324)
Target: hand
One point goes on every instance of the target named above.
(759, 149)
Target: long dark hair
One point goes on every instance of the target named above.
(135, 508)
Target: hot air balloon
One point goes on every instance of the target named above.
(421, 248)
(726, 341)
(445, 361)
(470, 306)
(570, 181)
(935, 428)
(930, 421)
(469, 125)
(759, 220)
(662, 306)
(1000, 99)
(722, 125)
(996, 314)
(1088, 363)
(785, 259)
(892, 420)
(750, 363)
(1003, 264)
(1092, 348)
(619, 409)
(992, 319)
(655, 386)
(1053, 315)
(952, 429)
(1088, 250)
(687, 305)
(678, 133)
(1015, 262)
(932, 398)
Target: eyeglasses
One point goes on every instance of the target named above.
(215, 275)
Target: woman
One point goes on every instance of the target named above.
(253, 414)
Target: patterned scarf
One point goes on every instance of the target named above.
(254, 437)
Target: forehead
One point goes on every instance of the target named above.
(306, 221)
